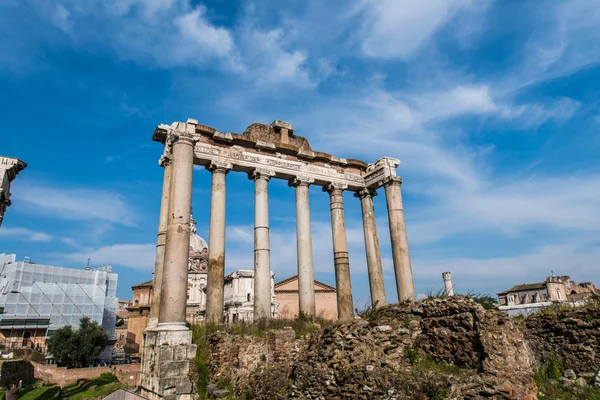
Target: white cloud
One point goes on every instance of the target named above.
(62, 18)
(135, 256)
(82, 204)
(267, 59)
(25, 234)
(198, 36)
(396, 29)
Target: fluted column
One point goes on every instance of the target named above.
(262, 247)
(306, 280)
(400, 253)
(175, 270)
(216, 244)
(163, 222)
(372, 247)
(341, 261)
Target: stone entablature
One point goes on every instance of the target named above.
(9, 168)
(264, 146)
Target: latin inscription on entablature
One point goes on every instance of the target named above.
(282, 167)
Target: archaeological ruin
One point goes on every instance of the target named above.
(9, 168)
(263, 152)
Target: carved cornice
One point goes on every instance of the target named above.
(11, 167)
(301, 181)
(364, 193)
(167, 156)
(261, 173)
(378, 172)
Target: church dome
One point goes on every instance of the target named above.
(197, 244)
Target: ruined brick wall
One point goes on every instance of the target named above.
(445, 348)
(128, 374)
(571, 336)
(15, 371)
(235, 357)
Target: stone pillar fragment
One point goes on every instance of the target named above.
(448, 283)
(306, 280)
(9, 169)
(216, 244)
(163, 221)
(262, 247)
(400, 253)
(341, 261)
(372, 247)
(174, 279)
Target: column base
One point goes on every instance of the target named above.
(166, 357)
(152, 324)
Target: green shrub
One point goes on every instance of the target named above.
(432, 391)
(108, 377)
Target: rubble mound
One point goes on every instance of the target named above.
(439, 348)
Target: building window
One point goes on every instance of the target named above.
(248, 296)
(558, 294)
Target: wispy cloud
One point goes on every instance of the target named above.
(393, 29)
(25, 234)
(81, 204)
(134, 256)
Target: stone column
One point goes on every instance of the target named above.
(372, 247)
(216, 244)
(177, 249)
(341, 261)
(400, 253)
(448, 283)
(262, 248)
(167, 350)
(163, 221)
(306, 280)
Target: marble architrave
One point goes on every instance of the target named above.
(286, 167)
(246, 161)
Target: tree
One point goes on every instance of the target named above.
(77, 348)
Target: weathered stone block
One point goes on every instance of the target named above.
(165, 353)
(174, 369)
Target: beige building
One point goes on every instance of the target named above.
(530, 297)
(286, 294)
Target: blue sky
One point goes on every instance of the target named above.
(492, 106)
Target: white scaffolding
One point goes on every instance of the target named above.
(40, 296)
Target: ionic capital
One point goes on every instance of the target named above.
(301, 181)
(392, 180)
(184, 132)
(261, 173)
(365, 192)
(334, 187)
(219, 167)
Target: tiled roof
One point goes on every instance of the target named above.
(145, 284)
(325, 287)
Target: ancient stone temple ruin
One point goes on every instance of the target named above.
(263, 152)
(9, 168)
